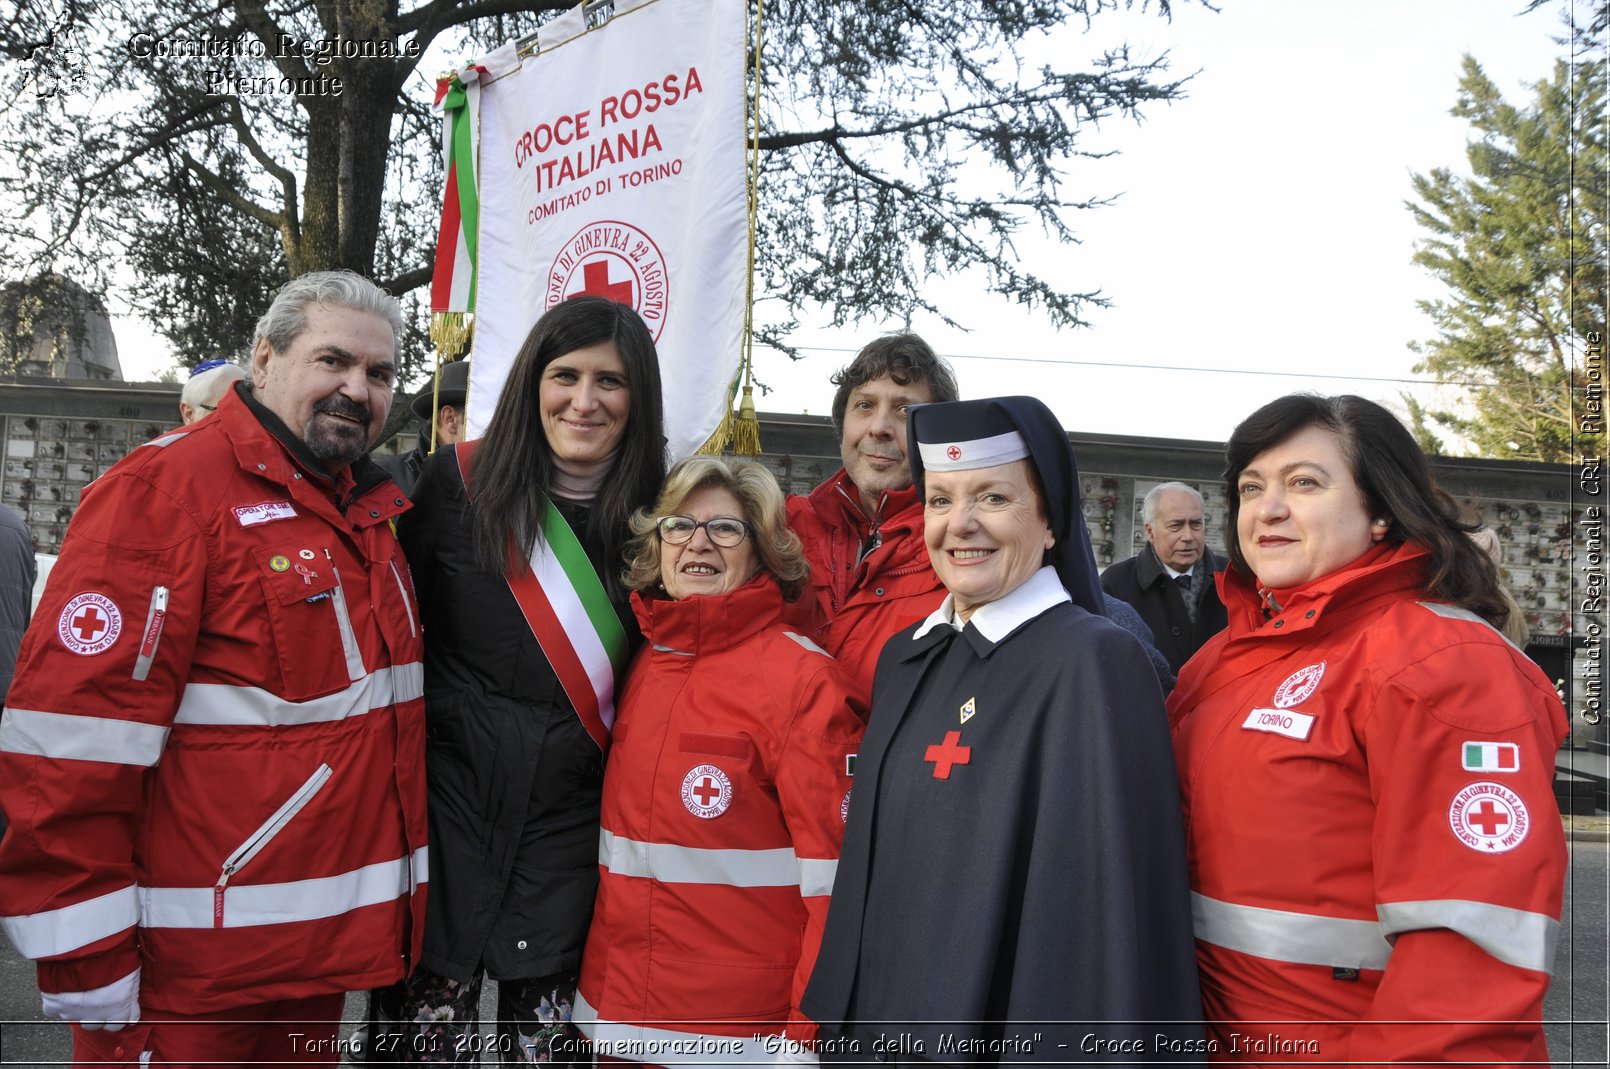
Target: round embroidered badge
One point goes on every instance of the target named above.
(1489, 818)
(1299, 686)
(89, 624)
(279, 564)
(614, 259)
(706, 791)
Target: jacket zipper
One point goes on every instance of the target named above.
(395, 574)
(155, 617)
(260, 838)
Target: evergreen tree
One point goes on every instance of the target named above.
(1521, 247)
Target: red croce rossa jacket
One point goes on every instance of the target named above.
(212, 754)
(1376, 856)
(724, 806)
(853, 606)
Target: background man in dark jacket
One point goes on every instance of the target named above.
(449, 397)
(1170, 582)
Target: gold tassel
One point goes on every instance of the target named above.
(449, 332)
(746, 429)
(716, 444)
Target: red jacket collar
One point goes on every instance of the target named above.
(838, 500)
(708, 623)
(1384, 569)
(259, 440)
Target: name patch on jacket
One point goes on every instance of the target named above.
(1287, 722)
(264, 512)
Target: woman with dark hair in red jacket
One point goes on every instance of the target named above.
(1366, 764)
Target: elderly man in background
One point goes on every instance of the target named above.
(208, 382)
(1170, 581)
(213, 751)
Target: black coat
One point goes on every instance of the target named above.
(404, 468)
(1041, 881)
(1142, 581)
(515, 780)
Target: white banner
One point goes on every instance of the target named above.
(612, 163)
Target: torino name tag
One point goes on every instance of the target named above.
(1281, 722)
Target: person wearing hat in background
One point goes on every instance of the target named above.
(205, 388)
(1013, 878)
(449, 398)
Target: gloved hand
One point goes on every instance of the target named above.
(795, 1053)
(110, 1007)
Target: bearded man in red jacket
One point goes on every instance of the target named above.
(862, 528)
(212, 754)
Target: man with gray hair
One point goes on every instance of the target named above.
(205, 388)
(213, 750)
(1170, 582)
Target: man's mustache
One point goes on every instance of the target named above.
(340, 406)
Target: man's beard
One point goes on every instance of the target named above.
(337, 442)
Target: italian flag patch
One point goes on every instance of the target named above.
(1492, 757)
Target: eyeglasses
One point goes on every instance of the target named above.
(723, 530)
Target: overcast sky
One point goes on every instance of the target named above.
(1260, 241)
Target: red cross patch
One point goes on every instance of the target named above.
(954, 452)
(1489, 818)
(706, 791)
(89, 624)
(948, 754)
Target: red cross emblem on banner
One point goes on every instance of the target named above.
(954, 452)
(948, 754)
(595, 283)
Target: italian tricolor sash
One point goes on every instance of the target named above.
(564, 603)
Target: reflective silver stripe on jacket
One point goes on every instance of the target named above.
(725, 868)
(248, 905)
(81, 738)
(221, 704)
(807, 643)
(1454, 612)
(61, 931)
(1514, 936)
(343, 622)
(662, 1046)
(1301, 938)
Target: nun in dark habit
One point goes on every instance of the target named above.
(1013, 884)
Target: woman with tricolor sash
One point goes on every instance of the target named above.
(516, 544)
